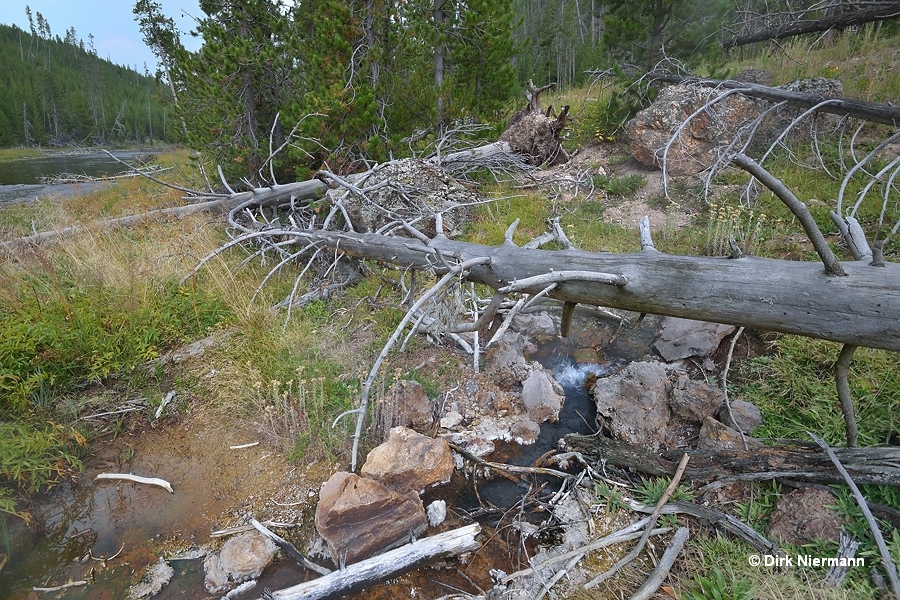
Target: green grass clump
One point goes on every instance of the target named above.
(794, 388)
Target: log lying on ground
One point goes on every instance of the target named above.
(774, 295)
(384, 566)
(887, 114)
(798, 462)
(839, 20)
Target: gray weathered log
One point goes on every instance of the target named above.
(798, 462)
(759, 293)
(838, 20)
(887, 114)
(384, 566)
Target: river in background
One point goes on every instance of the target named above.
(20, 180)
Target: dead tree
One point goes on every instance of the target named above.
(799, 25)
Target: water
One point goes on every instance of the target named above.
(20, 180)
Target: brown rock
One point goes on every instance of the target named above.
(525, 432)
(542, 397)
(715, 435)
(242, 558)
(693, 400)
(805, 515)
(406, 404)
(359, 517)
(634, 404)
(505, 361)
(410, 461)
(649, 132)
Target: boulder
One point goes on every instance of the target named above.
(542, 396)
(634, 404)
(409, 461)
(681, 338)
(805, 515)
(360, 517)
(540, 325)
(650, 130)
(406, 404)
(242, 558)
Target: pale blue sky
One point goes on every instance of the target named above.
(116, 33)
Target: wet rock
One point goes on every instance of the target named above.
(681, 338)
(746, 415)
(359, 517)
(505, 361)
(242, 557)
(804, 516)
(525, 432)
(649, 132)
(693, 400)
(633, 404)
(406, 404)
(715, 435)
(410, 461)
(155, 578)
(543, 397)
(436, 512)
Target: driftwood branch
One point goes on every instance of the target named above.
(798, 462)
(841, 375)
(886, 559)
(136, 479)
(289, 548)
(384, 566)
(629, 558)
(658, 575)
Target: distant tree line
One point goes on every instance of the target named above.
(57, 92)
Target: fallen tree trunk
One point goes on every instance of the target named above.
(384, 566)
(887, 114)
(798, 462)
(774, 295)
(837, 20)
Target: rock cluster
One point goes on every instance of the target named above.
(359, 516)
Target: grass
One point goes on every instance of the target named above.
(8, 154)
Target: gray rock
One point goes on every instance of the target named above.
(634, 404)
(436, 512)
(681, 338)
(746, 415)
(805, 515)
(542, 397)
(536, 325)
(505, 361)
(695, 149)
(155, 578)
(242, 557)
(410, 461)
(360, 517)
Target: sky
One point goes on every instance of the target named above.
(117, 36)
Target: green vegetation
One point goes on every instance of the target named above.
(57, 92)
